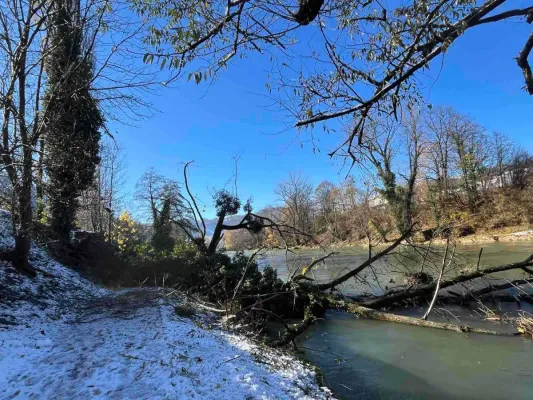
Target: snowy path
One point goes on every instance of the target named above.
(63, 337)
(155, 355)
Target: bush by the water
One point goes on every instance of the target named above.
(214, 278)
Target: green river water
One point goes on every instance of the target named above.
(363, 359)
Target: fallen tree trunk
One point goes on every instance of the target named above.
(291, 332)
(492, 297)
(314, 310)
(496, 288)
(383, 316)
(425, 290)
(507, 298)
(487, 293)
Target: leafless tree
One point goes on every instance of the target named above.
(154, 193)
(501, 155)
(416, 146)
(336, 208)
(350, 193)
(469, 155)
(521, 169)
(381, 152)
(99, 204)
(325, 198)
(149, 192)
(110, 37)
(437, 123)
(296, 196)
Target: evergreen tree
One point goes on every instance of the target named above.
(162, 239)
(74, 118)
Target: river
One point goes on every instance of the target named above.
(363, 359)
(390, 270)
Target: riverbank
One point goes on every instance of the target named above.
(62, 336)
(150, 353)
(502, 235)
(509, 234)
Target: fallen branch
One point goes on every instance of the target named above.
(418, 291)
(241, 281)
(383, 316)
(293, 331)
(524, 323)
(310, 267)
(496, 288)
(375, 257)
(204, 306)
(479, 258)
(426, 315)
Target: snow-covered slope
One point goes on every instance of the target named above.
(54, 291)
(62, 337)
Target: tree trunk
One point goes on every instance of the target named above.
(424, 290)
(496, 288)
(382, 316)
(216, 235)
(336, 282)
(23, 236)
(22, 188)
(110, 226)
(39, 187)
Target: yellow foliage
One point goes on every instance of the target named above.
(270, 239)
(125, 232)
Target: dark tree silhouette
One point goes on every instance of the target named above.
(73, 120)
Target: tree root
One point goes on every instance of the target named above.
(25, 268)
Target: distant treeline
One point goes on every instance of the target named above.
(438, 168)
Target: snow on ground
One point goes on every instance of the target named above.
(55, 289)
(61, 337)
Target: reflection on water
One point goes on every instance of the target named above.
(364, 359)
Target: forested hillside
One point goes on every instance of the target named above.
(437, 167)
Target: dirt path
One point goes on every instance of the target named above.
(116, 348)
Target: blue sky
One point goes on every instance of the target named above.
(211, 125)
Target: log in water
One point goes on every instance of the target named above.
(364, 359)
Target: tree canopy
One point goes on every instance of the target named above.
(361, 57)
